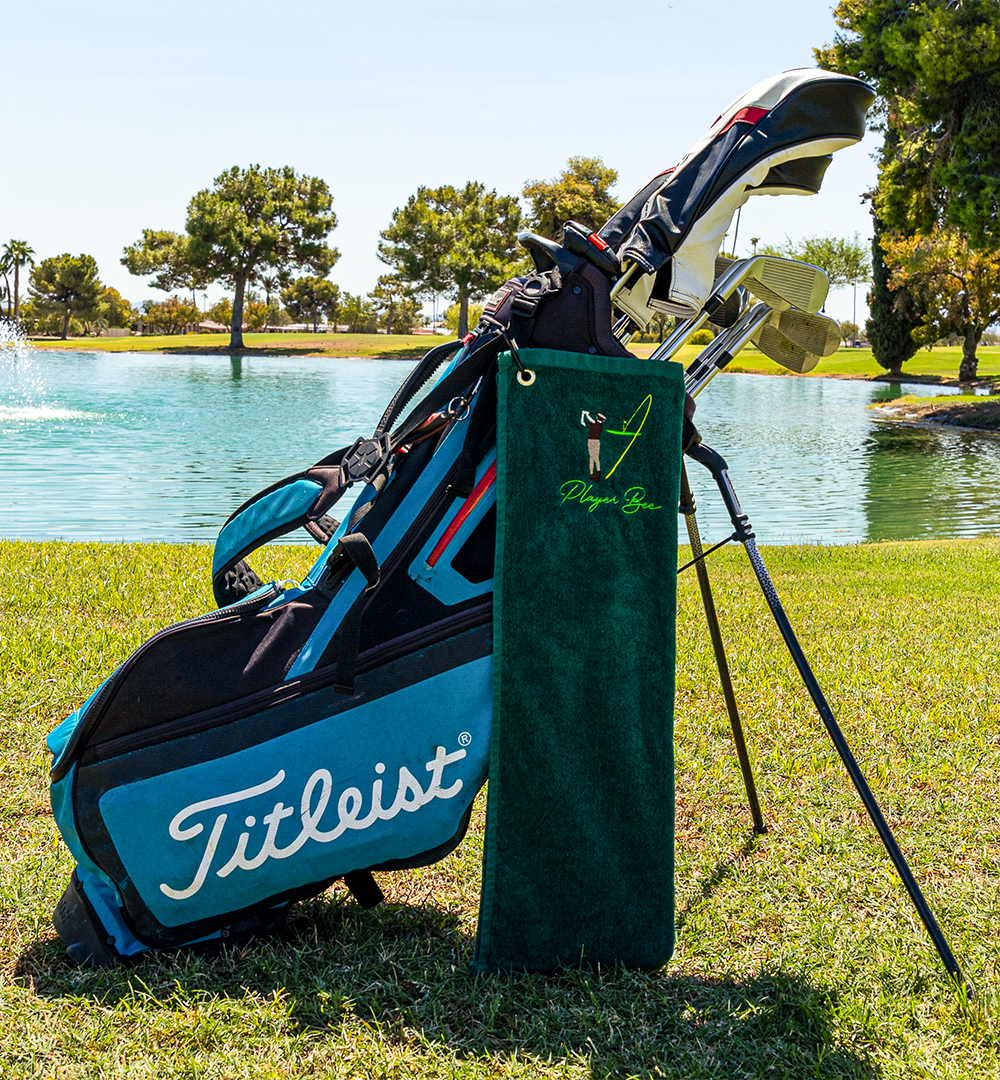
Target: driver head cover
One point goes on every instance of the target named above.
(775, 139)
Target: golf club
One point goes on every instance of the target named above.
(817, 334)
(714, 357)
(782, 350)
(780, 283)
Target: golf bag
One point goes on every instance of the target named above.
(305, 732)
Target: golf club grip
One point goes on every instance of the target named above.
(847, 757)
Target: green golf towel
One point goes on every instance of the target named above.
(579, 855)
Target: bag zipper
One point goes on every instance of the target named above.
(285, 692)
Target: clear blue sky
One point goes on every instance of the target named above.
(117, 113)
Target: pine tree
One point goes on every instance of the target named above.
(893, 313)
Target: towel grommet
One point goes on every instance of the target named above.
(526, 377)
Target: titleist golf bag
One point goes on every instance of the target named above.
(306, 732)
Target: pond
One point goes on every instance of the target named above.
(154, 447)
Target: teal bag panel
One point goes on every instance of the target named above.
(579, 841)
(385, 780)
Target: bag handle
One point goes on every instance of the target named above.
(298, 501)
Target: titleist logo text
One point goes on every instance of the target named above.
(410, 796)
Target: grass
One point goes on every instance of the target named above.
(937, 365)
(940, 364)
(388, 346)
(798, 953)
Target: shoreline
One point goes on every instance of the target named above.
(981, 417)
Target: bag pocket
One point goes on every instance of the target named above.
(206, 817)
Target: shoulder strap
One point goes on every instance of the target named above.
(303, 499)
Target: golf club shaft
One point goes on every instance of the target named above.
(687, 508)
(714, 357)
(719, 470)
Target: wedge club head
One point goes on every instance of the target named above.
(782, 350)
(815, 333)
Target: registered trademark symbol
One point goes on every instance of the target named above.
(464, 739)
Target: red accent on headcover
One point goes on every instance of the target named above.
(749, 115)
(597, 241)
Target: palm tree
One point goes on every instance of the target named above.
(5, 268)
(17, 253)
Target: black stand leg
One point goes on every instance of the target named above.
(718, 468)
(687, 508)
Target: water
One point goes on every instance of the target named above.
(145, 447)
(810, 462)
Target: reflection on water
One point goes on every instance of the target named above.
(924, 484)
(149, 447)
(810, 463)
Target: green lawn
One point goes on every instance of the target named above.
(390, 346)
(798, 953)
(938, 364)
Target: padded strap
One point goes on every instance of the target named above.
(298, 501)
(357, 548)
(414, 381)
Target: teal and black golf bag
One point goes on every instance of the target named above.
(343, 725)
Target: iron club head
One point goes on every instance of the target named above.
(782, 350)
(785, 283)
(815, 333)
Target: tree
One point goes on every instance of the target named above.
(221, 313)
(358, 314)
(848, 331)
(274, 282)
(172, 315)
(936, 67)
(452, 314)
(844, 259)
(457, 241)
(15, 254)
(164, 254)
(255, 219)
(396, 304)
(250, 221)
(115, 309)
(68, 283)
(310, 298)
(579, 193)
(963, 287)
(255, 313)
(893, 313)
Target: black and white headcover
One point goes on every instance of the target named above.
(777, 139)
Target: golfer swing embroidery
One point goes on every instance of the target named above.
(594, 429)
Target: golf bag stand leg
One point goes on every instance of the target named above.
(716, 465)
(687, 508)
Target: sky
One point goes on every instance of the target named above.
(125, 110)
